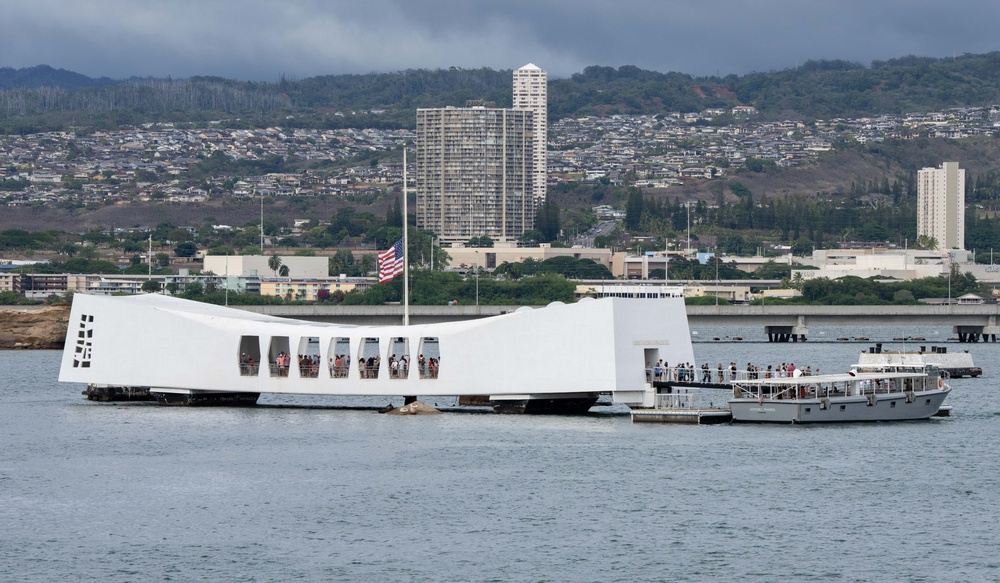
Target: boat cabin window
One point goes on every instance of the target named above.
(339, 357)
(279, 356)
(429, 358)
(308, 357)
(249, 355)
(398, 357)
(368, 358)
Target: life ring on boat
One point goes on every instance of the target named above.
(940, 383)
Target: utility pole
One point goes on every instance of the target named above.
(688, 205)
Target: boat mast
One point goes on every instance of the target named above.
(406, 247)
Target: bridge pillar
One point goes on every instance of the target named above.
(800, 330)
(976, 333)
(778, 333)
(990, 330)
(787, 333)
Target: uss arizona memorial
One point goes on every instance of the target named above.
(556, 358)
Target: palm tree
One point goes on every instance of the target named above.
(283, 271)
(274, 263)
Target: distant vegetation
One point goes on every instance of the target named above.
(439, 288)
(852, 290)
(41, 98)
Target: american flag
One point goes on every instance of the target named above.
(390, 262)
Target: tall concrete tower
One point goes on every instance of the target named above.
(531, 93)
(941, 205)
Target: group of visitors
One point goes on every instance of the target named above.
(661, 371)
(339, 366)
(685, 372)
(399, 368)
(428, 367)
(247, 365)
(783, 370)
(308, 366)
(369, 367)
(280, 366)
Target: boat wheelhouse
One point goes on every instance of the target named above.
(560, 357)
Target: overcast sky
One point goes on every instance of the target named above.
(262, 39)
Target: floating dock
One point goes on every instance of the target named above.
(687, 402)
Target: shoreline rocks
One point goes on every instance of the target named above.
(33, 329)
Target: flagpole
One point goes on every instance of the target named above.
(406, 246)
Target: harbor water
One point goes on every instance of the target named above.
(303, 488)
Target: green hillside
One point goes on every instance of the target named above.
(36, 99)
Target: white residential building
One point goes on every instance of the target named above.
(474, 173)
(941, 205)
(531, 93)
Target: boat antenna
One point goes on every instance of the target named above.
(406, 247)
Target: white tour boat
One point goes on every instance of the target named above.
(553, 359)
(883, 395)
(956, 364)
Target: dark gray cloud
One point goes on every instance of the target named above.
(261, 39)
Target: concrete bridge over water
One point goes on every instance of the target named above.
(971, 323)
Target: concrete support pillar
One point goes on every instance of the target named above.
(975, 333)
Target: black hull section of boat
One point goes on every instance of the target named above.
(207, 399)
(569, 406)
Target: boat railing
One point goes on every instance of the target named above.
(249, 370)
(694, 400)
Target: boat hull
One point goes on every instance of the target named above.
(883, 407)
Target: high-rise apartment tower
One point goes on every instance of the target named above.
(473, 172)
(941, 205)
(531, 93)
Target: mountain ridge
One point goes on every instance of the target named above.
(815, 89)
